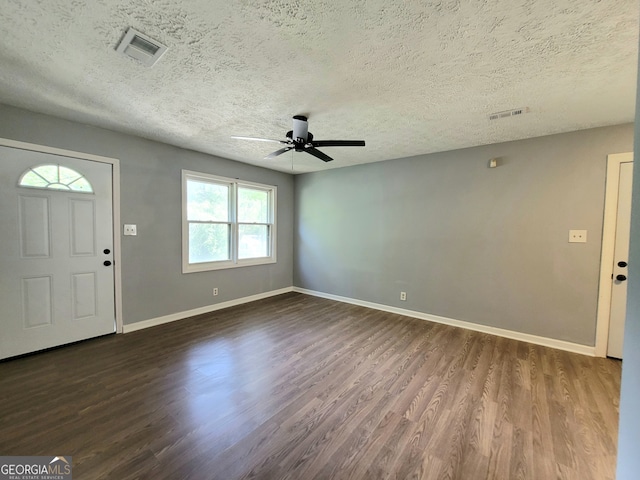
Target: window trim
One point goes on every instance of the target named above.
(234, 261)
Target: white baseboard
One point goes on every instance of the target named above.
(152, 322)
(500, 332)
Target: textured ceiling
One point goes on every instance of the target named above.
(408, 77)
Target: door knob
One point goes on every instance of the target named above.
(107, 263)
(621, 278)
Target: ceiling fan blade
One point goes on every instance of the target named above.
(278, 152)
(317, 153)
(338, 143)
(285, 142)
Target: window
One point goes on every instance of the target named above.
(55, 177)
(226, 223)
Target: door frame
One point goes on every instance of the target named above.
(115, 184)
(612, 186)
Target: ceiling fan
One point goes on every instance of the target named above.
(301, 139)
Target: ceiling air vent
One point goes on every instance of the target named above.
(141, 47)
(509, 113)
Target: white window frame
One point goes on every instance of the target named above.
(234, 261)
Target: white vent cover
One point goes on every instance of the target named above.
(141, 47)
(509, 113)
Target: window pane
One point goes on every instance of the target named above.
(81, 185)
(48, 172)
(31, 179)
(207, 201)
(56, 177)
(67, 175)
(208, 242)
(253, 205)
(253, 241)
(58, 186)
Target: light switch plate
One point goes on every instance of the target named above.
(130, 230)
(577, 236)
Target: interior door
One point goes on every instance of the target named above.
(56, 237)
(620, 263)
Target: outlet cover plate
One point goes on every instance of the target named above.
(130, 230)
(577, 236)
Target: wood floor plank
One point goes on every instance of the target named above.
(298, 387)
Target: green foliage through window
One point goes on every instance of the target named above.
(227, 223)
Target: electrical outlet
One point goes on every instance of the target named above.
(403, 296)
(215, 292)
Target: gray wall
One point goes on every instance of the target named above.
(153, 284)
(629, 433)
(488, 246)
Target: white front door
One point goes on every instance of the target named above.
(620, 262)
(56, 251)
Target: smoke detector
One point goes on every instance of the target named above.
(509, 113)
(143, 48)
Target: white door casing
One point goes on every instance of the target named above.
(54, 287)
(612, 296)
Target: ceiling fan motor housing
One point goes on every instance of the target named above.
(300, 129)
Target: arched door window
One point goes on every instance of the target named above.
(55, 177)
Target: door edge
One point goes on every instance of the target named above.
(608, 245)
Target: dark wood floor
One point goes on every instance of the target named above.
(297, 387)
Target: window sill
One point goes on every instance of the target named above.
(205, 267)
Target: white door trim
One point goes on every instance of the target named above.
(608, 247)
(115, 163)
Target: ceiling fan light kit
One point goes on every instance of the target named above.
(301, 140)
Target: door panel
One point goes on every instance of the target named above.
(83, 227)
(36, 301)
(34, 226)
(54, 287)
(83, 295)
